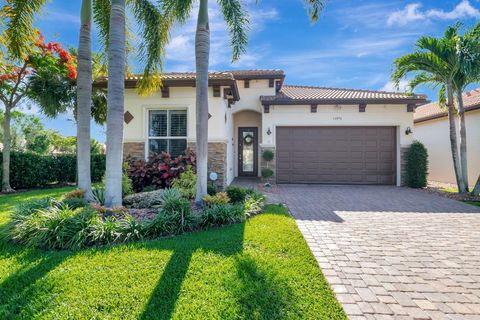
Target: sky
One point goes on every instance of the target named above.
(353, 44)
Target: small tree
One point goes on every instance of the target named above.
(417, 165)
(268, 156)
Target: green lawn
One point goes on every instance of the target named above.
(261, 269)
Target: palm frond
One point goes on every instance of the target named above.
(19, 28)
(442, 96)
(314, 7)
(238, 25)
(179, 10)
(101, 17)
(424, 78)
(420, 62)
(154, 28)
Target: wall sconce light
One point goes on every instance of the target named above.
(269, 132)
(408, 131)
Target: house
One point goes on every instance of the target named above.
(318, 135)
(432, 129)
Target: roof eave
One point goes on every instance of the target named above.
(415, 101)
(443, 115)
(132, 84)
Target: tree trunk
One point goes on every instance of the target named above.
(115, 102)
(476, 189)
(7, 143)
(84, 100)
(463, 140)
(453, 141)
(202, 53)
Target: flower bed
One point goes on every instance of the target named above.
(71, 223)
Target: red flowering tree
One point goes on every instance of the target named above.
(45, 75)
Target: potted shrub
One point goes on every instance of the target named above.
(267, 173)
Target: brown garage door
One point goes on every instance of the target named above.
(337, 155)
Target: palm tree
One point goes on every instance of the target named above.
(155, 30)
(84, 99)
(237, 21)
(468, 50)
(435, 63)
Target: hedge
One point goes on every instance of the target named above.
(417, 165)
(29, 170)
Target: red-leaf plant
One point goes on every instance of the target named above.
(159, 170)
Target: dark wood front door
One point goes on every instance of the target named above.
(247, 152)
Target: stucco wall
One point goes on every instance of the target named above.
(434, 134)
(182, 98)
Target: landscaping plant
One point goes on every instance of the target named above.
(159, 170)
(222, 214)
(217, 199)
(417, 165)
(144, 200)
(186, 183)
(236, 194)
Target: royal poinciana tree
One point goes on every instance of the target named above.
(43, 76)
(236, 18)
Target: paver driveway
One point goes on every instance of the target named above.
(392, 253)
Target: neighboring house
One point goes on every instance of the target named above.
(433, 130)
(318, 135)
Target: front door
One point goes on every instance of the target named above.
(247, 152)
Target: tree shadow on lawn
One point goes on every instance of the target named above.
(21, 288)
(226, 241)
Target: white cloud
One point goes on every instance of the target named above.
(412, 12)
(409, 14)
(403, 86)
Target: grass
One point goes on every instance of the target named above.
(455, 190)
(261, 269)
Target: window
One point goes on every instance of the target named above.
(167, 131)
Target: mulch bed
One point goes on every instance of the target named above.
(452, 195)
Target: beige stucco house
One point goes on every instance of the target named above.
(318, 135)
(432, 129)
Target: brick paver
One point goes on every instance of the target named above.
(392, 252)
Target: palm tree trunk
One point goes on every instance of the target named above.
(7, 143)
(115, 102)
(453, 141)
(463, 139)
(84, 99)
(202, 53)
(476, 189)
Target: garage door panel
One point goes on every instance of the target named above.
(359, 155)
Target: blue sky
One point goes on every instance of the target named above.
(352, 45)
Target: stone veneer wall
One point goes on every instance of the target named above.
(270, 164)
(134, 150)
(403, 164)
(217, 160)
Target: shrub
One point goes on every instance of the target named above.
(174, 217)
(29, 170)
(144, 200)
(211, 189)
(267, 155)
(77, 193)
(219, 198)
(254, 204)
(98, 195)
(160, 170)
(29, 207)
(417, 165)
(186, 183)
(54, 227)
(267, 173)
(236, 194)
(127, 185)
(74, 203)
(222, 214)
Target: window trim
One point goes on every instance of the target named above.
(168, 137)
